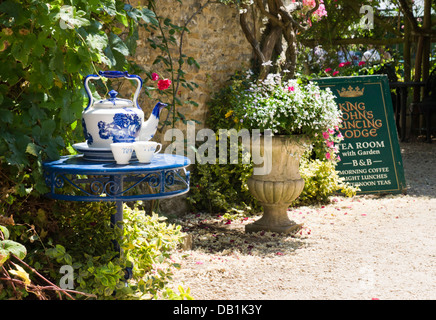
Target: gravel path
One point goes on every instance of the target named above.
(366, 247)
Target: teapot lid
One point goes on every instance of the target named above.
(113, 102)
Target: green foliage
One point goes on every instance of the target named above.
(321, 180)
(147, 242)
(84, 241)
(221, 188)
(47, 48)
(9, 247)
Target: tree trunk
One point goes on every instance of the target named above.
(270, 45)
(291, 52)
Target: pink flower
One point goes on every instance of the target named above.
(325, 135)
(347, 63)
(339, 159)
(163, 84)
(327, 155)
(328, 70)
(335, 73)
(331, 131)
(154, 76)
(361, 63)
(330, 144)
(291, 88)
(341, 64)
(340, 135)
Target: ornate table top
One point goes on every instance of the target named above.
(76, 179)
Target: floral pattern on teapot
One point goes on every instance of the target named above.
(124, 128)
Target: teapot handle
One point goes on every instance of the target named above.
(113, 74)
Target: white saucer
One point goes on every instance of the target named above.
(96, 154)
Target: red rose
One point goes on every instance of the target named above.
(163, 84)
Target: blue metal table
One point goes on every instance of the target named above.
(74, 178)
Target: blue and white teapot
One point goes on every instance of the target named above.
(114, 119)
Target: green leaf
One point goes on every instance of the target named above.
(72, 18)
(68, 259)
(110, 8)
(57, 61)
(19, 53)
(97, 41)
(149, 17)
(118, 45)
(192, 61)
(5, 232)
(13, 247)
(48, 126)
(6, 116)
(33, 149)
(109, 58)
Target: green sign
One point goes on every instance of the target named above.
(370, 152)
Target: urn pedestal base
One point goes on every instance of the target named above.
(275, 190)
(275, 198)
(274, 219)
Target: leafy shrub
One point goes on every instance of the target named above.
(321, 180)
(221, 188)
(84, 240)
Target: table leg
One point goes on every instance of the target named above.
(118, 216)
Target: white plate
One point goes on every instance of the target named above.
(96, 154)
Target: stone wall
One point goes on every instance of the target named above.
(215, 41)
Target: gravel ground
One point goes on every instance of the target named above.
(365, 247)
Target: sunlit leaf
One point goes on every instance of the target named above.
(21, 273)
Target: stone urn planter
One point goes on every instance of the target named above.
(276, 189)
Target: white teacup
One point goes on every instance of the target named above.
(145, 150)
(122, 152)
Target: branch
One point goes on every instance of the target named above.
(311, 11)
(36, 288)
(267, 14)
(409, 15)
(285, 13)
(250, 37)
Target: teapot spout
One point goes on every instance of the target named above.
(149, 127)
(158, 108)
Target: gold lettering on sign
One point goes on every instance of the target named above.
(357, 121)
